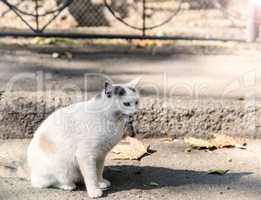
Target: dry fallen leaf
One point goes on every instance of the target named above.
(198, 143)
(145, 43)
(168, 140)
(130, 149)
(216, 142)
(218, 171)
(52, 41)
(222, 141)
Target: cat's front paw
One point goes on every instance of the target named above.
(104, 184)
(95, 192)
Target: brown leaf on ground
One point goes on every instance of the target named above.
(218, 171)
(199, 143)
(130, 149)
(218, 141)
(222, 141)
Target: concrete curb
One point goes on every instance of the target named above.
(22, 112)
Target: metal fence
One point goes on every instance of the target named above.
(161, 19)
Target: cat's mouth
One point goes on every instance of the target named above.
(125, 115)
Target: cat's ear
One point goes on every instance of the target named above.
(108, 89)
(134, 82)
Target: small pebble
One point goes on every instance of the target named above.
(55, 55)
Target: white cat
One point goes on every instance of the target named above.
(70, 146)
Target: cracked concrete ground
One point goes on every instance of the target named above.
(178, 175)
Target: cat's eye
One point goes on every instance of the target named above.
(126, 104)
(136, 103)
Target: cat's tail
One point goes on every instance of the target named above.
(13, 159)
(14, 169)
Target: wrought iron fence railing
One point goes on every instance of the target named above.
(161, 19)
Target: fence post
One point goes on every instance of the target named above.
(252, 22)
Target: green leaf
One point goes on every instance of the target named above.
(153, 184)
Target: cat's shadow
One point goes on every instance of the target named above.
(125, 178)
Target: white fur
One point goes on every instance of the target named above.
(81, 135)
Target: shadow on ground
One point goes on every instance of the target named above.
(126, 178)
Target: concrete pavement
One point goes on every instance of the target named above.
(169, 173)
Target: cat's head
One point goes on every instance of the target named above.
(125, 97)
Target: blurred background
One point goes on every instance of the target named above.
(209, 19)
(188, 52)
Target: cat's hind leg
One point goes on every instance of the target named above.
(66, 179)
(66, 186)
(38, 181)
(49, 181)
